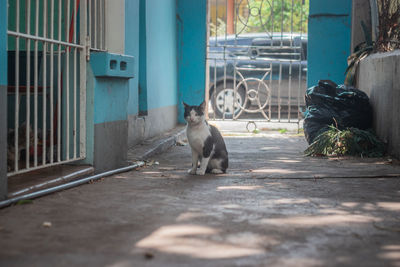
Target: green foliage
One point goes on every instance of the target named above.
(279, 14)
(350, 142)
(260, 15)
(219, 29)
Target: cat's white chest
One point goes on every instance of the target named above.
(196, 136)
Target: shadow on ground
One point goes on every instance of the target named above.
(251, 216)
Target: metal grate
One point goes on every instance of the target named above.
(256, 59)
(96, 24)
(46, 83)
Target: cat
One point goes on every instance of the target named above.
(206, 142)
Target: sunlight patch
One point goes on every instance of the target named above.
(188, 216)
(276, 171)
(392, 206)
(321, 220)
(291, 201)
(198, 241)
(239, 187)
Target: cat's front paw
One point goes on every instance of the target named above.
(192, 171)
(200, 172)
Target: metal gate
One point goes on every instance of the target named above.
(46, 83)
(257, 59)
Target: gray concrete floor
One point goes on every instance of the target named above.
(274, 207)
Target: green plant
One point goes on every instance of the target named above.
(266, 16)
(350, 141)
(288, 16)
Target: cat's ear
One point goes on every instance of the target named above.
(203, 105)
(185, 105)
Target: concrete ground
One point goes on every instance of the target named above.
(274, 207)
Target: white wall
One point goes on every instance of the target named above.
(379, 77)
(115, 26)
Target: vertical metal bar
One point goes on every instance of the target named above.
(28, 81)
(104, 26)
(215, 61)
(44, 96)
(282, 5)
(82, 77)
(272, 70)
(226, 20)
(300, 63)
(272, 22)
(215, 87)
(270, 96)
(290, 91)
(95, 25)
(101, 24)
(207, 83)
(226, 38)
(290, 66)
(216, 23)
(235, 15)
(75, 12)
(279, 91)
(67, 49)
(207, 94)
(35, 77)
(59, 78)
(280, 66)
(74, 132)
(224, 60)
(52, 81)
(235, 89)
(16, 123)
(90, 21)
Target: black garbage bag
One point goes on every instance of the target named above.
(330, 104)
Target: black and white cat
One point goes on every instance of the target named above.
(206, 142)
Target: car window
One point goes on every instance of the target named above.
(279, 48)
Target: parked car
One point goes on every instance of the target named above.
(278, 61)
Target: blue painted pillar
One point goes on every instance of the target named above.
(110, 81)
(191, 57)
(143, 59)
(329, 40)
(3, 99)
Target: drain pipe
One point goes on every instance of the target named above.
(50, 190)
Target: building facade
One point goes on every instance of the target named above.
(90, 79)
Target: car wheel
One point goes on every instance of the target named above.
(222, 100)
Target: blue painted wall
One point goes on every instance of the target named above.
(159, 60)
(132, 49)
(143, 107)
(191, 37)
(110, 100)
(329, 40)
(161, 68)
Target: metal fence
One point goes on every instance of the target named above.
(96, 24)
(46, 83)
(257, 59)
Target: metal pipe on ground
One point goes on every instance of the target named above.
(47, 191)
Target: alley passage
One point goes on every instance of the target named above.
(273, 208)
